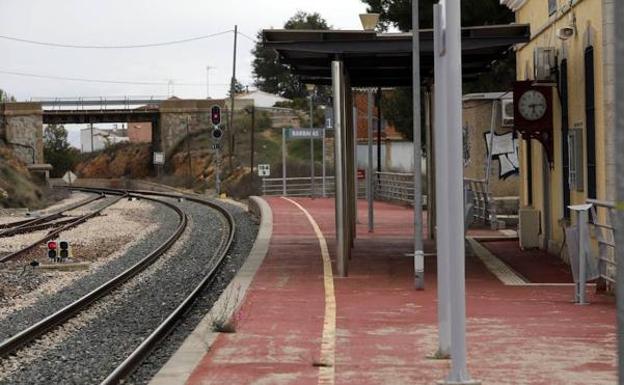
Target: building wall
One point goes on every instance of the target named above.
(504, 176)
(548, 181)
(140, 132)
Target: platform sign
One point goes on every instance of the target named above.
(70, 177)
(159, 158)
(304, 133)
(264, 170)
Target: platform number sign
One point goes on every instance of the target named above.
(264, 170)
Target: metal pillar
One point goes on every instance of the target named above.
(441, 194)
(231, 133)
(419, 257)
(369, 169)
(284, 192)
(338, 99)
(311, 148)
(323, 164)
(454, 229)
(619, 143)
(430, 167)
(355, 168)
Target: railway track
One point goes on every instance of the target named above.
(64, 226)
(170, 320)
(33, 224)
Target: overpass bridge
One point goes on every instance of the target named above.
(21, 123)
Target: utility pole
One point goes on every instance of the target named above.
(188, 154)
(231, 133)
(419, 257)
(619, 167)
(91, 130)
(208, 68)
(379, 131)
(369, 172)
(253, 142)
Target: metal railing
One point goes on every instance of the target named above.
(484, 209)
(601, 223)
(302, 186)
(394, 186)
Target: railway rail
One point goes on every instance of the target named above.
(157, 334)
(64, 227)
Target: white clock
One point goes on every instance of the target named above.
(532, 105)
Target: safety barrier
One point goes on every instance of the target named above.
(601, 223)
(484, 209)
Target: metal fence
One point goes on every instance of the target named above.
(394, 186)
(484, 209)
(601, 220)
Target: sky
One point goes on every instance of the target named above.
(136, 22)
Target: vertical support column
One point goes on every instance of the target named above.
(323, 163)
(338, 97)
(355, 168)
(442, 214)
(454, 229)
(619, 143)
(431, 211)
(369, 163)
(419, 257)
(284, 156)
(311, 147)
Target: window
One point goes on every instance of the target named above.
(552, 7)
(590, 125)
(565, 124)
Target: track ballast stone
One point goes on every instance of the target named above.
(92, 351)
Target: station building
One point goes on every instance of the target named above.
(570, 53)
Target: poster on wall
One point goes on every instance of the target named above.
(504, 148)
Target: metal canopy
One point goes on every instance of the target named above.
(385, 59)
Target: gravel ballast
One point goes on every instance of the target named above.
(95, 345)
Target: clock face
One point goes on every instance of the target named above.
(532, 105)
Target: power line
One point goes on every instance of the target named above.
(247, 37)
(148, 45)
(133, 82)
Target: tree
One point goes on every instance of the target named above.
(274, 77)
(57, 151)
(6, 97)
(397, 105)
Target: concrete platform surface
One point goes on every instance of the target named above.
(384, 329)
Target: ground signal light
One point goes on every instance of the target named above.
(52, 252)
(215, 115)
(63, 249)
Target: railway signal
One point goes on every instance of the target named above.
(215, 115)
(64, 250)
(217, 134)
(52, 249)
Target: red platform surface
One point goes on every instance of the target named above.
(385, 329)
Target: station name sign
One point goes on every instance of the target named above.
(304, 133)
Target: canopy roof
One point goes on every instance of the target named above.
(385, 59)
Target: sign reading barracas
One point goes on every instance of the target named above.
(304, 133)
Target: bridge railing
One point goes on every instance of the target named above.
(101, 103)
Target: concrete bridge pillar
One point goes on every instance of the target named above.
(21, 128)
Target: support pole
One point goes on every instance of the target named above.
(252, 138)
(231, 135)
(419, 257)
(455, 202)
(323, 156)
(441, 192)
(431, 201)
(369, 170)
(311, 147)
(379, 130)
(188, 154)
(619, 143)
(338, 97)
(284, 192)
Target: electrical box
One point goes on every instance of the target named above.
(545, 64)
(529, 228)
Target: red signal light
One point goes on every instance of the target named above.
(215, 115)
(52, 245)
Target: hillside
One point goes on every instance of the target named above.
(17, 186)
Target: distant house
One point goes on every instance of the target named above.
(140, 132)
(95, 139)
(262, 99)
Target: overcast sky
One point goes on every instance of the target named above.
(127, 22)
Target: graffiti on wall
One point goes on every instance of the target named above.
(505, 150)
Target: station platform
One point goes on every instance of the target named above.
(298, 324)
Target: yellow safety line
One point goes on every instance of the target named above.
(328, 342)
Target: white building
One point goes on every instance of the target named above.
(98, 139)
(262, 99)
